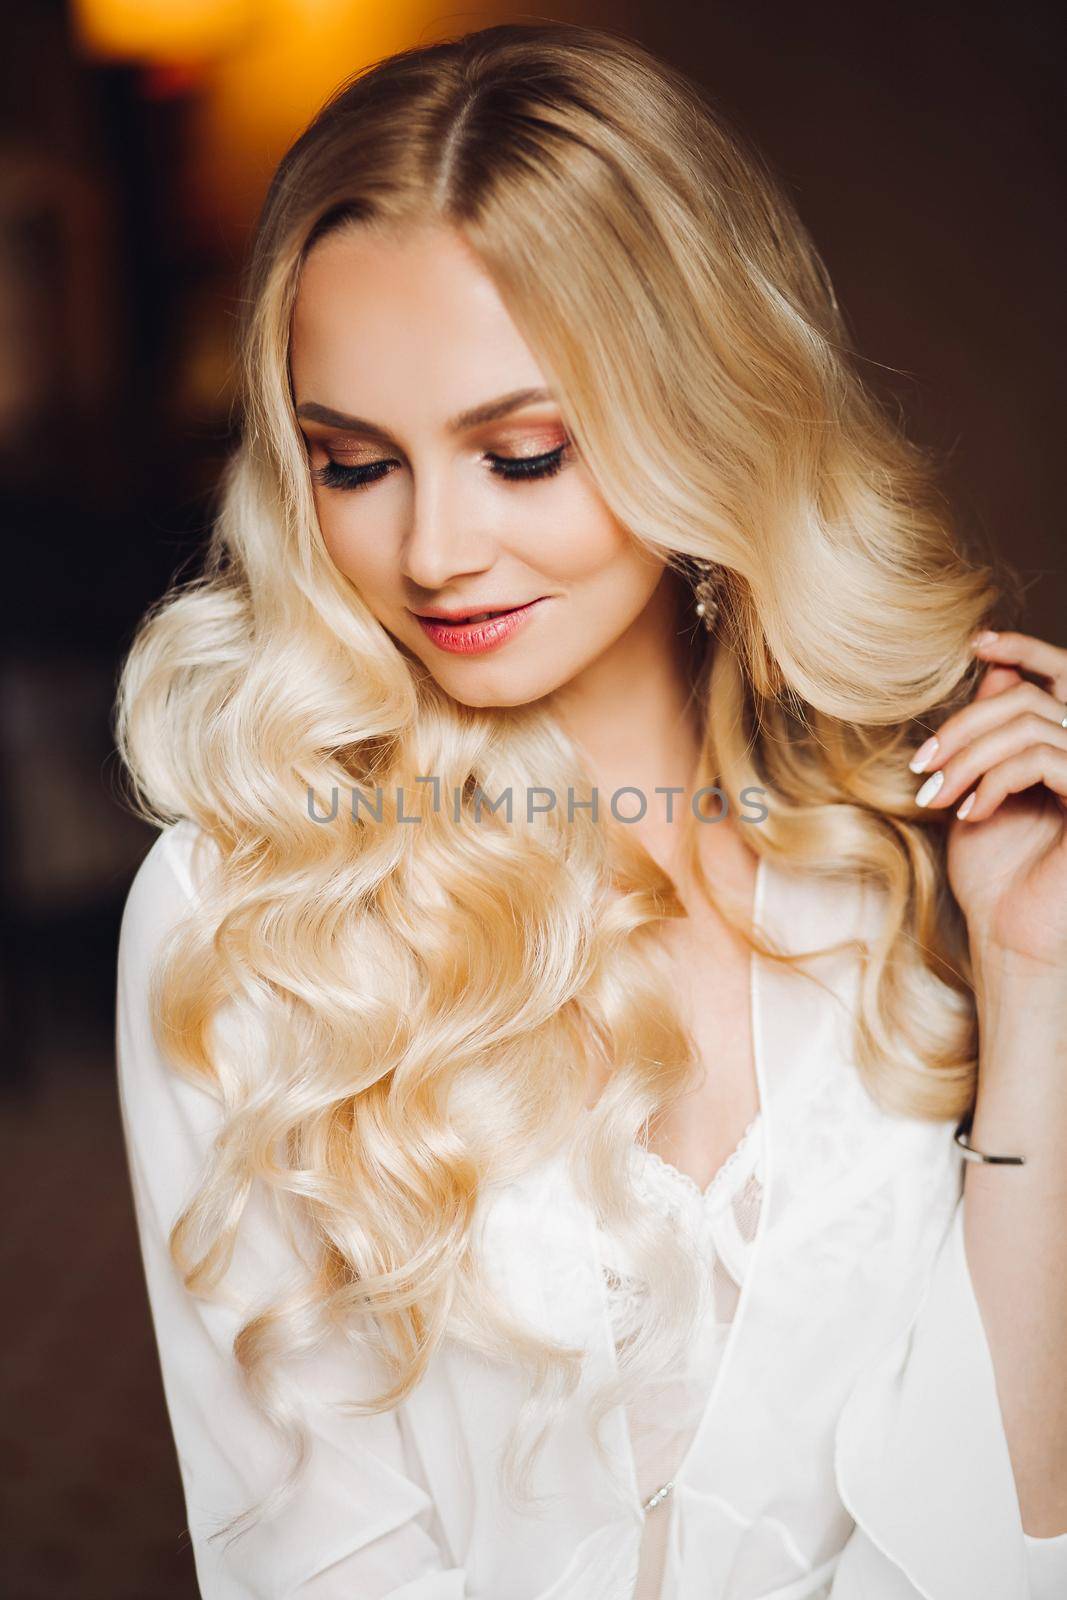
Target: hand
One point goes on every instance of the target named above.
(1003, 763)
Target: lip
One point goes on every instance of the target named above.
(474, 638)
(464, 613)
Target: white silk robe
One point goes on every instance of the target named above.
(851, 1447)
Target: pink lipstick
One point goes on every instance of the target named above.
(470, 637)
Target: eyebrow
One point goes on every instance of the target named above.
(490, 411)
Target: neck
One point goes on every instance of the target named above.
(633, 715)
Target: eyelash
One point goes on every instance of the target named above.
(513, 469)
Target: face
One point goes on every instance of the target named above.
(444, 478)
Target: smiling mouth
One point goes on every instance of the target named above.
(483, 631)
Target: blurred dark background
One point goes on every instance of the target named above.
(922, 145)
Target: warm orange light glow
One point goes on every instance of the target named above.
(258, 98)
(160, 30)
(257, 71)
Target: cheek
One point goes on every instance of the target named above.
(568, 536)
(359, 542)
(573, 536)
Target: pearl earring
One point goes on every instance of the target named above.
(705, 591)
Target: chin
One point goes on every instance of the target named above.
(503, 690)
(493, 680)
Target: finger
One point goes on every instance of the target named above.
(1001, 743)
(995, 680)
(1024, 650)
(984, 713)
(1039, 763)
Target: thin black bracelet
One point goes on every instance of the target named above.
(962, 1136)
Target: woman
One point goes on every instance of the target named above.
(543, 1040)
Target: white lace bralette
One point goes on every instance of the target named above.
(720, 1224)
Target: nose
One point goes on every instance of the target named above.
(445, 539)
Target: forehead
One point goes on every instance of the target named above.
(404, 320)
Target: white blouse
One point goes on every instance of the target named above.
(835, 1435)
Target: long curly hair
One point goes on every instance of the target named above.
(420, 1006)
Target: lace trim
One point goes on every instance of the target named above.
(673, 1193)
(680, 1178)
(627, 1295)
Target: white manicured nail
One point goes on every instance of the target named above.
(923, 756)
(929, 789)
(967, 804)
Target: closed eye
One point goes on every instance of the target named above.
(513, 469)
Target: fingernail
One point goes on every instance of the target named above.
(980, 640)
(922, 757)
(929, 789)
(966, 806)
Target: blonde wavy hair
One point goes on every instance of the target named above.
(421, 1005)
